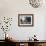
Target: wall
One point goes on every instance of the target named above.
(11, 8)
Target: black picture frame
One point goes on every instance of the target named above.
(26, 20)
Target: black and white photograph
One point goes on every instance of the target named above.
(25, 19)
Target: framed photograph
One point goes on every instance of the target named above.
(25, 19)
